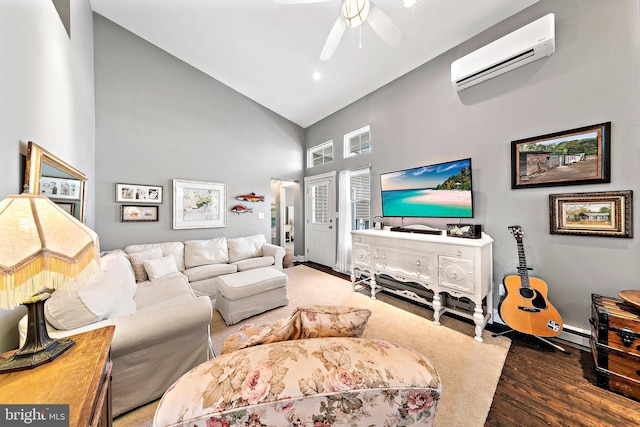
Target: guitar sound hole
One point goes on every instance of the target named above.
(526, 293)
(537, 300)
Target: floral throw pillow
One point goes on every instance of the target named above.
(281, 330)
(332, 321)
(312, 321)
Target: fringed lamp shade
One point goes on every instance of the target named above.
(41, 247)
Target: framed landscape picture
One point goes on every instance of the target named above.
(138, 193)
(576, 156)
(138, 213)
(198, 204)
(605, 213)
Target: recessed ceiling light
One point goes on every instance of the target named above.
(317, 76)
(408, 3)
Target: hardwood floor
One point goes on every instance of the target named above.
(543, 387)
(540, 386)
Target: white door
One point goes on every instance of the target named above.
(320, 231)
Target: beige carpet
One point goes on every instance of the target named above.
(469, 370)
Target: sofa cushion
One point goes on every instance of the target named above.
(169, 287)
(107, 293)
(157, 268)
(65, 310)
(203, 252)
(248, 283)
(245, 247)
(257, 262)
(203, 272)
(137, 262)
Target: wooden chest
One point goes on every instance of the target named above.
(615, 344)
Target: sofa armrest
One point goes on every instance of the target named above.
(277, 252)
(160, 324)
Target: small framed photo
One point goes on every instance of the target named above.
(576, 156)
(605, 214)
(67, 207)
(60, 188)
(138, 213)
(198, 204)
(138, 193)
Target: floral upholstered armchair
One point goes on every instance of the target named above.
(324, 381)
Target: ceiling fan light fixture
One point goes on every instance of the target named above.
(355, 12)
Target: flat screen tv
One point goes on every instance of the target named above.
(442, 190)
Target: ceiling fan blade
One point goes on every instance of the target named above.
(299, 1)
(333, 39)
(384, 26)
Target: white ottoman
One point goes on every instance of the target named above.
(250, 292)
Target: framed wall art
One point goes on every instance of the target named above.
(576, 156)
(605, 214)
(138, 193)
(198, 204)
(61, 188)
(67, 207)
(138, 213)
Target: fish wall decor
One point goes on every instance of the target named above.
(239, 209)
(251, 198)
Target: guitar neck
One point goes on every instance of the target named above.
(523, 270)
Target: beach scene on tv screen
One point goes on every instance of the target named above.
(441, 190)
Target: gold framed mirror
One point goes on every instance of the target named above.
(51, 176)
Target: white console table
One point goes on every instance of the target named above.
(458, 266)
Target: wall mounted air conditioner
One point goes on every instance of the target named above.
(529, 43)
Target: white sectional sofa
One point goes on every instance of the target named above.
(162, 327)
(202, 261)
(159, 297)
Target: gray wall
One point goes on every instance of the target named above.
(159, 119)
(46, 89)
(593, 77)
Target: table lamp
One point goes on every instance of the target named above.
(42, 248)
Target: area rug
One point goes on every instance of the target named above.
(469, 370)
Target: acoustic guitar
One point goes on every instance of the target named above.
(525, 307)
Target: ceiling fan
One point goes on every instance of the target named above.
(354, 13)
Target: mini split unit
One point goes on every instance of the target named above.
(527, 44)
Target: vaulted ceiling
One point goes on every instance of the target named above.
(269, 50)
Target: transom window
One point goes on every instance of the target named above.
(357, 142)
(320, 154)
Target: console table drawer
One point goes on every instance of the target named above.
(456, 274)
(361, 253)
(405, 265)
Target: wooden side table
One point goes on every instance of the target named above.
(80, 377)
